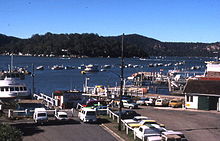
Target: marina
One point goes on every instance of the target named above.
(160, 85)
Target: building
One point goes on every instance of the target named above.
(203, 92)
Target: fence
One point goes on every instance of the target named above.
(114, 116)
(29, 113)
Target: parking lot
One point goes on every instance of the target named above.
(196, 125)
(72, 130)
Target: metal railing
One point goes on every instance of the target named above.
(49, 100)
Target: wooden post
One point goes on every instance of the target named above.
(127, 130)
(134, 136)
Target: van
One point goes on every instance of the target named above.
(87, 115)
(61, 116)
(161, 102)
(40, 115)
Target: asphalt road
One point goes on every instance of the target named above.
(196, 125)
(72, 130)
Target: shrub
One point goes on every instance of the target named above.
(9, 133)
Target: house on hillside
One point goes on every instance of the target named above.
(202, 94)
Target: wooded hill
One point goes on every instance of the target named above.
(93, 45)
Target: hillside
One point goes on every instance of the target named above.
(93, 45)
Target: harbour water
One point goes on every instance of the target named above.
(48, 80)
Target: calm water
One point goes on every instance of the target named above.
(48, 80)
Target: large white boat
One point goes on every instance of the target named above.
(11, 88)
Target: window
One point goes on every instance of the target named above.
(2, 89)
(12, 89)
(21, 88)
(25, 88)
(16, 88)
(191, 98)
(6, 88)
(140, 129)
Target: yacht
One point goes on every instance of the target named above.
(11, 88)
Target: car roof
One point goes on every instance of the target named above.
(138, 117)
(88, 109)
(149, 120)
(171, 132)
(63, 113)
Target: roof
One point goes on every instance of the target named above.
(28, 101)
(207, 87)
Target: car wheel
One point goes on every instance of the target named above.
(130, 107)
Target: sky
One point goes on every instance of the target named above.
(164, 20)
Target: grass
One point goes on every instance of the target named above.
(113, 125)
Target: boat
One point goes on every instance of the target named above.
(90, 68)
(11, 88)
(56, 67)
(40, 68)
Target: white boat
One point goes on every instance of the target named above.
(90, 68)
(56, 67)
(10, 88)
(40, 68)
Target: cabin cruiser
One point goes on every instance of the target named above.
(90, 68)
(11, 88)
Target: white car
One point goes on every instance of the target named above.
(147, 133)
(87, 115)
(136, 119)
(61, 116)
(175, 136)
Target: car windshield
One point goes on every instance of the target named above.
(41, 114)
(90, 113)
(63, 116)
(150, 122)
(150, 131)
(174, 101)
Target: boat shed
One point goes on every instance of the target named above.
(202, 94)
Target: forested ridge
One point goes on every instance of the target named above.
(93, 45)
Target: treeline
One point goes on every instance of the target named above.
(93, 45)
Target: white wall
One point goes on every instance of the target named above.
(192, 105)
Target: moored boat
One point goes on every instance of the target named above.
(10, 88)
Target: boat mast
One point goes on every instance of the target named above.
(12, 63)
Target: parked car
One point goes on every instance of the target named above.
(175, 103)
(61, 116)
(87, 115)
(142, 100)
(136, 119)
(128, 104)
(146, 133)
(161, 102)
(127, 114)
(171, 135)
(150, 123)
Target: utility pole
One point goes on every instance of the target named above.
(33, 75)
(122, 81)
